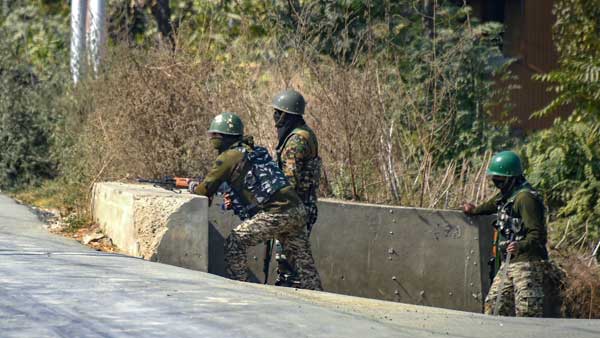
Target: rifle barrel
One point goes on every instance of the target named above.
(503, 278)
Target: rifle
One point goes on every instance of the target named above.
(170, 183)
(494, 262)
(267, 259)
(508, 227)
(503, 278)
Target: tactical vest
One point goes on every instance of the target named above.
(260, 176)
(507, 224)
(310, 175)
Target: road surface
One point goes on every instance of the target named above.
(52, 286)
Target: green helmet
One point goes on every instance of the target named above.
(227, 123)
(505, 163)
(289, 101)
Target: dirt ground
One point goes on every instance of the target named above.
(90, 235)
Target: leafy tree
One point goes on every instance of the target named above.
(577, 39)
(565, 160)
(33, 59)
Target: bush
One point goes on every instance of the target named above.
(32, 79)
(581, 298)
(565, 160)
(564, 163)
(27, 119)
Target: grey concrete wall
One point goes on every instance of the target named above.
(220, 223)
(416, 256)
(154, 223)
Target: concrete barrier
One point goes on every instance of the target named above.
(154, 223)
(410, 255)
(416, 256)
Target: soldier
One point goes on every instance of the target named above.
(261, 196)
(298, 157)
(520, 212)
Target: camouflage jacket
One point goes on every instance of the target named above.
(298, 157)
(253, 180)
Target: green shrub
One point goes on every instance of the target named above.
(564, 163)
(32, 79)
(26, 127)
(565, 159)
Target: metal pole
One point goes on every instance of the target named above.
(96, 34)
(78, 11)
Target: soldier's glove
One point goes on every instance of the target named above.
(192, 186)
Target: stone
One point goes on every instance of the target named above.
(92, 237)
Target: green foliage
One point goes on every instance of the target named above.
(436, 59)
(37, 36)
(565, 160)
(32, 58)
(24, 129)
(216, 26)
(564, 163)
(454, 83)
(577, 38)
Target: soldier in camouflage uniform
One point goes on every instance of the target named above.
(520, 212)
(261, 196)
(298, 157)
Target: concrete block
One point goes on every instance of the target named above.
(409, 255)
(220, 223)
(154, 223)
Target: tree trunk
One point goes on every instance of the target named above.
(161, 11)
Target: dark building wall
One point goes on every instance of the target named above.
(528, 39)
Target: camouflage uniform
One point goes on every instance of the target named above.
(268, 206)
(522, 293)
(289, 229)
(298, 157)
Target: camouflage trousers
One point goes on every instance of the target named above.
(290, 229)
(523, 292)
(286, 276)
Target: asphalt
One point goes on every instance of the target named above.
(52, 286)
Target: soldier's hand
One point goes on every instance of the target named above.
(513, 248)
(468, 208)
(192, 186)
(227, 203)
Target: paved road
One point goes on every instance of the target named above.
(53, 287)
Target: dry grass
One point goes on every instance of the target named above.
(581, 286)
(149, 114)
